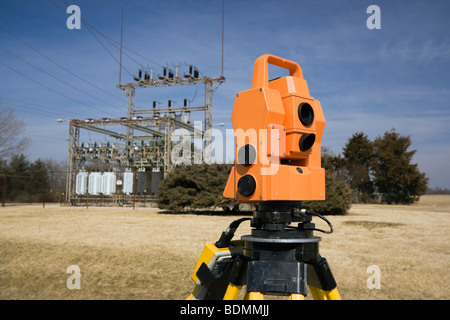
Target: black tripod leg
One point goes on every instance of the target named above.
(321, 277)
(235, 279)
(226, 284)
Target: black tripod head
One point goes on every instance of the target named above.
(273, 219)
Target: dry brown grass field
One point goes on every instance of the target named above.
(142, 254)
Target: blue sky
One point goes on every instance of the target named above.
(366, 80)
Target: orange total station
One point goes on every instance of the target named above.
(278, 130)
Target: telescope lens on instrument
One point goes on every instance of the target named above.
(246, 155)
(246, 185)
(306, 141)
(306, 114)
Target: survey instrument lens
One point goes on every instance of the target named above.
(306, 141)
(247, 185)
(247, 155)
(306, 114)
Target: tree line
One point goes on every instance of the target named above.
(21, 180)
(379, 171)
(438, 190)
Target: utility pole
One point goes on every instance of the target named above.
(134, 187)
(4, 189)
(121, 33)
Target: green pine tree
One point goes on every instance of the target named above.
(395, 177)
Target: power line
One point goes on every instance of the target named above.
(57, 64)
(223, 29)
(29, 110)
(95, 37)
(117, 46)
(180, 39)
(56, 78)
(111, 41)
(38, 107)
(98, 40)
(48, 88)
(121, 34)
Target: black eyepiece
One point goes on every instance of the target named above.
(247, 185)
(306, 141)
(246, 155)
(306, 114)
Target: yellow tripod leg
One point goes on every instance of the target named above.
(191, 296)
(333, 294)
(254, 296)
(232, 292)
(296, 296)
(318, 294)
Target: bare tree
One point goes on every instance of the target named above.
(12, 139)
(56, 176)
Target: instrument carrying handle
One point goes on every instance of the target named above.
(261, 69)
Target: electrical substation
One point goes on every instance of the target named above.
(130, 155)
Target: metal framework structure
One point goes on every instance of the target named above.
(143, 138)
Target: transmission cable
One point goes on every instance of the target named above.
(51, 89)
(56, 78)
(59, 65)
(109, 39)
(39, 107)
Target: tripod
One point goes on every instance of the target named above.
(275, 259)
